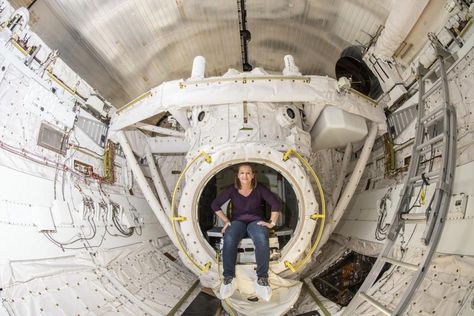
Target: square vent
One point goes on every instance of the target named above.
(52, 139)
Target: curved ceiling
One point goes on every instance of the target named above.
(123, 48)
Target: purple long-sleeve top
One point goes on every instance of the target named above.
(246, 208)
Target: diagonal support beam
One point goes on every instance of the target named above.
(342, 174)
(159, 130)
(155, 175)
(150, 197)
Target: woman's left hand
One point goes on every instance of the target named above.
(263, 223)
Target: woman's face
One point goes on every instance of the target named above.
(245, 175)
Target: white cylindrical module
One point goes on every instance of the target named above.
(401, 20)
(229, 155)
(199, 68)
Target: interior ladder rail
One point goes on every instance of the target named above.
(427, 139)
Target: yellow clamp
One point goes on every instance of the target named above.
(206, 267)
(317, 216)
(286, 155)
(179, 218)
(289, 266)
(207, 157)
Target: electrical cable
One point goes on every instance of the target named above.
(139, 230)
(120, 229)
(31, 156)
(92, 233)
(37, 158)
(382, 231)
(85, 150)
(63, 138)
(117, 224)
(416, 199)
(88, 205)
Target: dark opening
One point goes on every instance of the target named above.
(276, 182)
(352, 66)
(343, 279)
(201, 116)
(290, 113)
(204, 304)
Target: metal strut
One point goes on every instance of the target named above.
(435, 130)
(245, 35)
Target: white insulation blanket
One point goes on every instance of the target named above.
(137, 280)
(445, 288)
(285, 293)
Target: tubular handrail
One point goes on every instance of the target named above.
(55, 78)
(175, 218)
(139, 98)
(315, 216)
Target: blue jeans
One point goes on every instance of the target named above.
(232, 237)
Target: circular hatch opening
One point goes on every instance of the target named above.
(211, 225)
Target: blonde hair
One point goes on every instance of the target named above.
(237, 183)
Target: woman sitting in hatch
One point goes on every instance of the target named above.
(247, 217)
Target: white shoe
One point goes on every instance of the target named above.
(227, 290)
(263, 289)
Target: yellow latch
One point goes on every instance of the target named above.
(317, 216)
(289, 266)
(207, 266)
(207, 157)
(179, 218)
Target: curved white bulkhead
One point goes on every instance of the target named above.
(230, 155)
(261, 125)
(102, 208)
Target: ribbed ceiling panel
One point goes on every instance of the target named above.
(125, 47)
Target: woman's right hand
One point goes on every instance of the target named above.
(227, 224)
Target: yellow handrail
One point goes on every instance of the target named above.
(244, 80)
(139, 98)
(175, 218)
(315, 216)
(49, 71)
(363, 96)
(18, 46)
